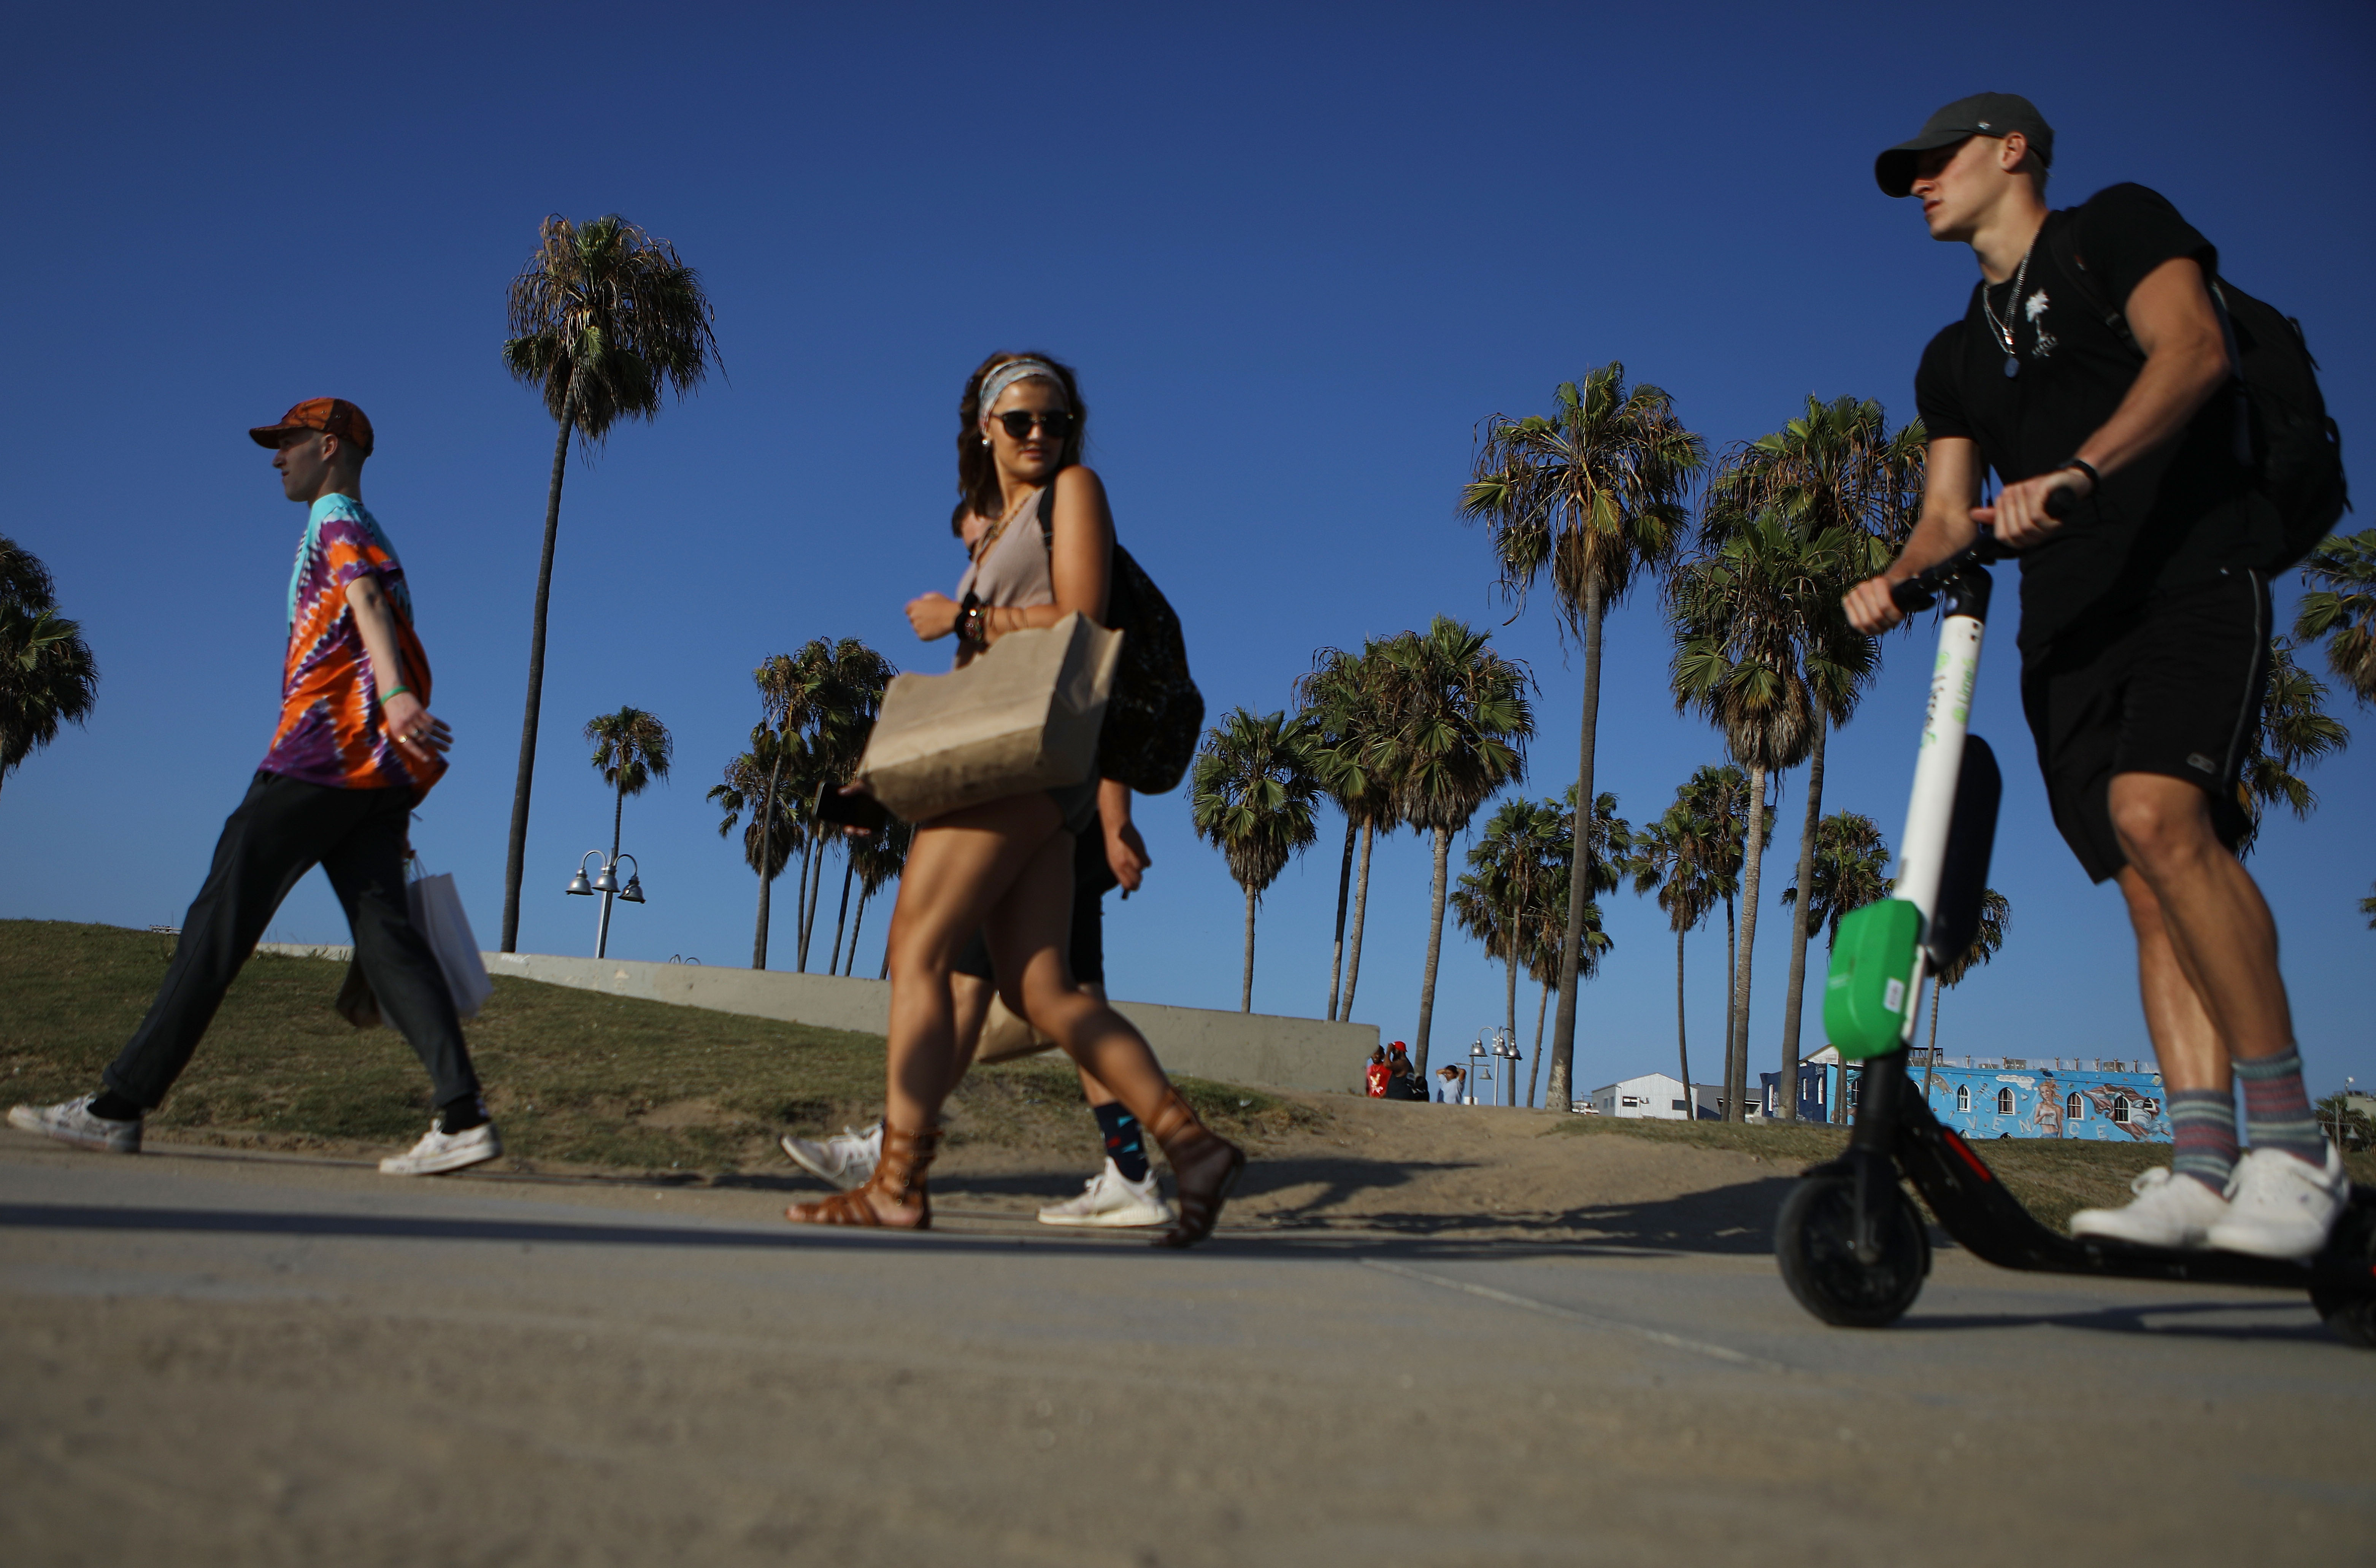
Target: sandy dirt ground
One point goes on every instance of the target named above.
(1496, 1347)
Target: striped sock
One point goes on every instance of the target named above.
(2202, 1123)
(2277, 1108)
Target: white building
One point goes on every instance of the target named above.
(1654, 1095)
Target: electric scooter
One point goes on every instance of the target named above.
(1852, 1245)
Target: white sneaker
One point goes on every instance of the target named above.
(847, 1160)
(2168, 1211)
(2282, 1207)
(72, 1124)
(438, 1151)
(1113, 1200)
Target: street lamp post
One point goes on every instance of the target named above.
(606, 882)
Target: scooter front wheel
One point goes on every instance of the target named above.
(1814, 1240)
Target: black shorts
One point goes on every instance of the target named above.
(1091, 876)
(2173, 687)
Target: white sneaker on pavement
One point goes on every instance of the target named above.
(439, 1151)
(2279, 1206)
(1113, 1200)
(2168, 1211)
(847, 1160)
(72, 1124)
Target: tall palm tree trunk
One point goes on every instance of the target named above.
(816, 889)
(1682, 1039)
(515, 852)
(767, 859)
(1434, 951)
(1343, 891)
(1930, 1068)
(1510, 1016)
(1360, 906)
(857, 924)
(1752, 871)
(1731, 1007)
(833, 964)
(1579, 888)
(1791, 1008)
(1534, 1070)
(1246, 987)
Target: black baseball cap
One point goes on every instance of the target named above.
(1982, 114)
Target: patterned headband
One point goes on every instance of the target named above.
(1007, 374)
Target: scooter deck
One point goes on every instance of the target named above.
(1973, 1206)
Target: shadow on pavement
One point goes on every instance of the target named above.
(2129, 1319)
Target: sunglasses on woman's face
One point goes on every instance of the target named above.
(1057, 423)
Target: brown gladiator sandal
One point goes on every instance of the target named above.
(899, 1175)
(1205, 1167)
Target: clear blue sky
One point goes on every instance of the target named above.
(1296, 261)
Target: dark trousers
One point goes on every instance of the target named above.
(281, 831)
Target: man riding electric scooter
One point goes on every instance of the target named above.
(2145, 628)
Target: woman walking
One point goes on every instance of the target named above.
(1004, 868)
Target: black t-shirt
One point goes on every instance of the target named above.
(2174, 519)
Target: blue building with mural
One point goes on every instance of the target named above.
(2005, 1097)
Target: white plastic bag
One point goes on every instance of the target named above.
(437, 914)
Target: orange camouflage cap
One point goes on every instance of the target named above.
(332, 416)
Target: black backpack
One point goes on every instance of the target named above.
(2282, 432)
(1155, 715)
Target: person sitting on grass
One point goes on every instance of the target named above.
(354, 752)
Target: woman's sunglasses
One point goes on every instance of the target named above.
(1057, 423)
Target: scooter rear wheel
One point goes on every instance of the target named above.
(2351, 1314)
(1814, 1240)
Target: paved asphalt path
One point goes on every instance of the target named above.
(217, 1357)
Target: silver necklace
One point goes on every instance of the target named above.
(2004, 329)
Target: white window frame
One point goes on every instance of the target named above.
(1963, 1097)
(2075, 1107)
(2006, 1104)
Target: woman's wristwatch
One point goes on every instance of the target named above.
(970, 627)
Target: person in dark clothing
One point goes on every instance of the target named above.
(355, 749)
(2145, 627)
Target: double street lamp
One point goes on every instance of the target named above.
(606, 882)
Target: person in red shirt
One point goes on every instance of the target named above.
(355, 749)
(1374, 1074)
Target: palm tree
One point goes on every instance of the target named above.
(1344, 734)
(604, 319)
(1519, 852)
(879, 858)
(1849, 491)
(47, 675)
(823, 700)
(2294, 729)
(1996, 923)
(631, 749)
(753, 782)
(2340, 607)
(1252, 794)
(1670, 859)
(1460, 724)
(1595, 492)
(1849, 869)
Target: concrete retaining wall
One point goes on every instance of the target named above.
(1236, 1048)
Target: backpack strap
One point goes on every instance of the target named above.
(1047, 510)
(2063, 245)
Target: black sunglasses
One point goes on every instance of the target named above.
(1057, 423)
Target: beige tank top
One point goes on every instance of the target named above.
(1013, 572)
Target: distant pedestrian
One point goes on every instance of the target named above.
(1402, 1077)
(1450, 1085)
(1377, 1073)
(354, 751)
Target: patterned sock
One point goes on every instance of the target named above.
(2276, 1107)
(1123, 1144)
(2203, 1124)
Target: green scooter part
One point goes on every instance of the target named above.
(1870, 993)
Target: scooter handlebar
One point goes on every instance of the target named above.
(1921, 590)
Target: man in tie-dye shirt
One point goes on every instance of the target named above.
(356, 747)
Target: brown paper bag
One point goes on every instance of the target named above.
(1004, 1036)
(1023, 716)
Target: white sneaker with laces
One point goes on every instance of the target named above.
(72, 1124)
(1113, 1200)
(847, 1160)
(2279, 1206)
(2168, 1211)
(439, 1151)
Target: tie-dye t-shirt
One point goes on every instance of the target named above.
(330, 729)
